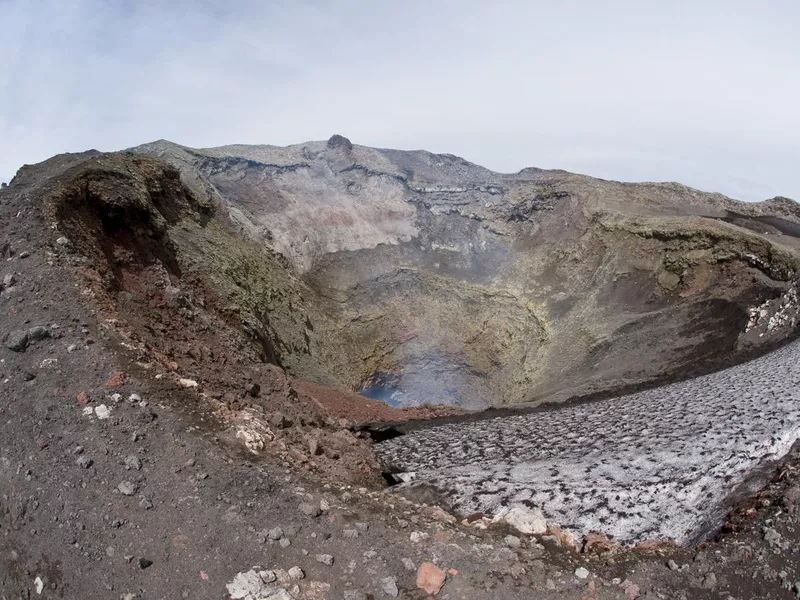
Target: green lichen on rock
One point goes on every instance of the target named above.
(688, 240)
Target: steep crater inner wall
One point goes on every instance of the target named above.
(417, 324)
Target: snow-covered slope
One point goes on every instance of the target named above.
(656, 464)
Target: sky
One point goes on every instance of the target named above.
(702, 92)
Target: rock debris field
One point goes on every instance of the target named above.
(658, 464)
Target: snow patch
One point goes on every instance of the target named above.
(659, 464)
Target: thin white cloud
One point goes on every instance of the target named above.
(703, 93)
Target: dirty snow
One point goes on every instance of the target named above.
(655, 464)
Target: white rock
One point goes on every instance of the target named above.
(389, 586)
(296, 573)
(325, 559)
(581, 572)
(267, 576)
(187, 383)
(253, 440)
(102, 412)
(38, 584)
(418, 536)
(249, 586)
(526, 520)
(283, 577)
(127, 488)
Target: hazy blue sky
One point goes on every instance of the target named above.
(704, 92)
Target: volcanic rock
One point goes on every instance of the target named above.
(526, 520)
(17, 341)
(430, 578)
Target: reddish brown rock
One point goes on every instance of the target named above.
(631, 589)
(591, 591)
(658, 545)
(439, 514)
(443, 536)
(116, 380)
(430, 578)
(474, 517)
(83, 398)
(566, 538)
(598, 543)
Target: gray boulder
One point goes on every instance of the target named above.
(17, 341)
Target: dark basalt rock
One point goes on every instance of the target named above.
(339, 141)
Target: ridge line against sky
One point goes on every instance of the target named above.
(702, 93)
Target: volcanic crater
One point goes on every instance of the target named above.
(425, 279)
(442, 289)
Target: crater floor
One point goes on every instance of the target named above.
(656, 464)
